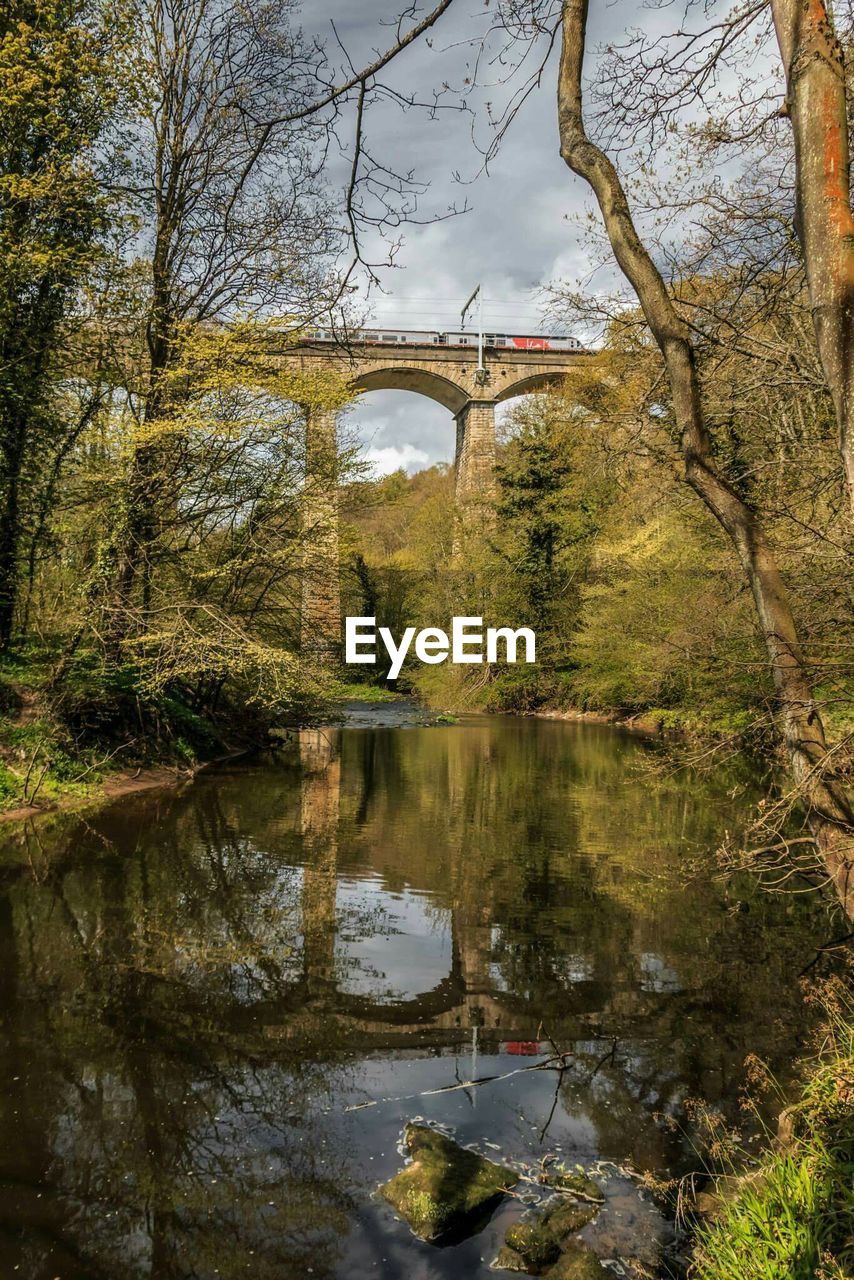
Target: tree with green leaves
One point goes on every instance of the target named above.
(57, 90)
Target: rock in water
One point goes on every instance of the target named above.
(567, 1218)
(535, 1244)
(577, 1183)
(445, 1186)
(578, 1262)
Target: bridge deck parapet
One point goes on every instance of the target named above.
(448, 375)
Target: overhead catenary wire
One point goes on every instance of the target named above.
(442, 312)
(421, 313)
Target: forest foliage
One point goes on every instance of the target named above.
(593, 540)
(159, 253)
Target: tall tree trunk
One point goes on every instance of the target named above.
(147, 482)
(10, 527)
(816, 103)
(26, 344)
(829, 813)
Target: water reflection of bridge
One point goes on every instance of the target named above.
(468, 996)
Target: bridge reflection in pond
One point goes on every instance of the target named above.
(196, 988)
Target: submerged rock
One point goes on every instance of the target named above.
(578, 1262)
(535, 1243)
(445, 1186)
(578, 1183)
(569, 1217)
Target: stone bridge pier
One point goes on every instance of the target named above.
(450, 376)
(320, 611)
(474, 456)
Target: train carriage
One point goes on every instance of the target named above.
(429, 337)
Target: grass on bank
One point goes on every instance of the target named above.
(793, 1218)
(61, 743)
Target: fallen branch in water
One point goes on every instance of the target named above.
(555, 1063)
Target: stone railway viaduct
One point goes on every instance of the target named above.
(447, 374)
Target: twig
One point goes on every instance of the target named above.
(550, 1064)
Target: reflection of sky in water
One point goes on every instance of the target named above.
(391, 945)
(656, 974)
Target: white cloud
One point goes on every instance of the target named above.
(402, 425)
(385, 461)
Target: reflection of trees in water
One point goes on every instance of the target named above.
(163, 1137)
(562, 864)
(173, 987)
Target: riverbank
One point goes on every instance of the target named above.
(123, 782)
(791, 1213)
(641, 723)
(45, 768)
(32, 743)
(98, 736)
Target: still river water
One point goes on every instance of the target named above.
(198, 991)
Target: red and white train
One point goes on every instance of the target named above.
(426, 338)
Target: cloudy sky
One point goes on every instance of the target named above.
(523, 229)
(517, 236)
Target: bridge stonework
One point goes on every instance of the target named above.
(475, 452)
(450, 376)
(320, 610)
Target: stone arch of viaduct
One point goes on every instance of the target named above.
(448, 375)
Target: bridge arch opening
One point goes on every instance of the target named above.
(530, 386)
(423, 382)
(398, 431)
